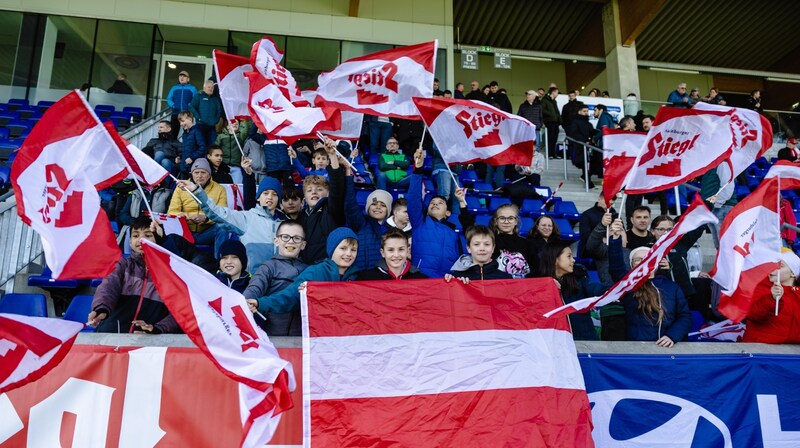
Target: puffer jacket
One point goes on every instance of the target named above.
(288, 299)
(465, 267)
(255, 227)
(119, 293)
(436, 244)
(169, 146)
(581, 323)
(194, 144)
(368, 230)
(230, 148)
(276, 156)
(272, 277)
(179, 97)
(321, 220)
(183, 202)
(396, 171)
(206, 109)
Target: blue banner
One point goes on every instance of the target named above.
(728, 401)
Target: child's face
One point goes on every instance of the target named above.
(269, 200)
(291, 206)
(481, 248)
(345, 254)
(136, 239)
(231, 265)
(377, 210)
(438, 209)
(395, 253)
(320, 161)
(294, 243)
(314, 192)
(401, 216)
(215, 158)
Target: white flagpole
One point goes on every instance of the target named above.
(447, 164)
(341, 156)
(780, 245)
(190, 193)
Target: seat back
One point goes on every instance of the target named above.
(79, 308)
(25, 304)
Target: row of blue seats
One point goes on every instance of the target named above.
(35, 305)
(23, 105)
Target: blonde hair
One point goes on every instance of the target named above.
(314, 179)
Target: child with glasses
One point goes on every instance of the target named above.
(275, 275)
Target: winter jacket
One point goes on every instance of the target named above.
(288, 299)
(605, 120)
(304, 172)
(764, 326)
(231, 154)
(382, 272)
(501, 100)
(675, 99)
(466, 267)
(515, 255)
(368, 230)
(598, 250)
(569, 112)
(272, 277)
(581, 323)
(406, 230)
(276, 156)
(221, 175)
(238, 285)
(532, 112)
(255, 227)
(255, 152)
(119, 293)
(320, 221)
(134, 206)
(194, 144)
(183, 202)
(396, 171)
(436, 244)
(588, 221)
(179, 97)
(581, 130)
(169, 146)
(206, 109)
(677, 319)
(550, 110)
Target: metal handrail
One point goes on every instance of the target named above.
(585, 160)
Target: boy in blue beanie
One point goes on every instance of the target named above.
(255, 227)
(342, 249)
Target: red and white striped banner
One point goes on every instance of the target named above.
(174, 225)
(789, 172)
(620, 149)
(450, 364)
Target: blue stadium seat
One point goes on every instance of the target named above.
(454, 220)
(741, 191)
(593, 276)
(532, 207)
(567, 232)
(495, 203)
(3, 134)
(525, 225)
(104, 110)
(567, 210)
(25, 304)
(15, 104)
(361, 197)
(25, 113)
(46, 280)
(429, 185)
(44, 105)
(7, 117)
(7, 150)
(762, 163)
(79, 309)
(697, 323)
(483, 187)
(468, 178)
(136, 112)
(17, 127)
(373, 161)
(483, 220)
(475, 206)
(5, 174)
(121, 120)
(427, 165)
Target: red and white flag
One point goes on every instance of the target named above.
(31, 346)
(789, 172)
(681, 145)
(174, 225)
(467, 131)
(493, 373)
(55, 177)
(722, 331)
(234, 88)
(265, 59)
(381, 83)
(752, 137)
(695, 216)
(351, 121)
(234, 195)
(218, 320)
(749, 249)
(620, 149)
(143, 167)
(277, 117)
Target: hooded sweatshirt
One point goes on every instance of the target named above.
(466, 267)
(382, 272)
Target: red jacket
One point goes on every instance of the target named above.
(787, 216)
(764, 326)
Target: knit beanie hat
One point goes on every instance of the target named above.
(792, 261)
(201, 164)
(234, 247)
(379, 196)
(337, 236)
(269, 183)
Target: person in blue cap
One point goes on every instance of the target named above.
(342, 249)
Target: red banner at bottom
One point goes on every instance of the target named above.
(136, 397)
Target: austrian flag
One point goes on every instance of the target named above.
(440, 365)
(468, 131)
(234, 89)
(620, 149)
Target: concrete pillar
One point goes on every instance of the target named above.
(621, 65)
(48, 55)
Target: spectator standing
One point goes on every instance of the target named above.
(570, 110)
(194, 144)
(754, 102)
(476, 93)
(498, 97)
(459, 92)
(121, 85)
(679, 97)
(179, 98)
(552, 120)
(207, 110)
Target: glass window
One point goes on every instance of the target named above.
(308, 57)
(10, 27)
(241, 42)
(352, 50)
(122, 62)
(65, 58)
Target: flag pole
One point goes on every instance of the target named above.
(780, 244)
(190, 193)
(341, 156)
(446, 163)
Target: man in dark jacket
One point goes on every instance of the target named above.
(207, 110)
(194, 145)
(476, 93)
(590, 219)
(275, 275)
(121, 85)
(164, 149)
(580, 129)
(552, 119)
(531, 109)
(499, 99)
(570, 110)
